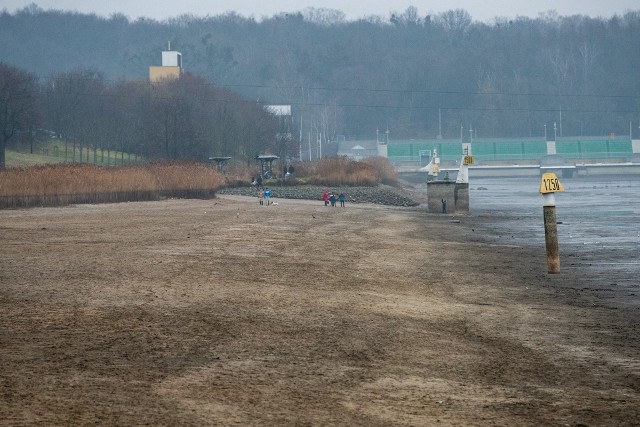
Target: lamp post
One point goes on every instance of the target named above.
(555, 131)
(545, 131)
(461, 129)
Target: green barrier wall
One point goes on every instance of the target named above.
(513, 149)
(593, 148)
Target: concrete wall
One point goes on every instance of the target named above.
(171, 59)
(382, 150)
(461, 194)
(455, 195)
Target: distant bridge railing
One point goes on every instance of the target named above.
(515, 151)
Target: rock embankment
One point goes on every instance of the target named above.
(382, 194)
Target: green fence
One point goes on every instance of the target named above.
(593, 148)
(512, 149)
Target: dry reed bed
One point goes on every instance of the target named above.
(336, 171)
(63, 184)
(56, 185)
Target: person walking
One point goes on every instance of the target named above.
(444, 205)
(260, 196)
(332, 199)
(267, 195)
(325, 197)
(341, 198)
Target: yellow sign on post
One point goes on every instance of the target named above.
(468, 160)
(550, 184)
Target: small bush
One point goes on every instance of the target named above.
(239, 176)
(336, 171)
(290, 182)
(386, 171)
(304, 169)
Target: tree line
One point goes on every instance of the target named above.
(174, 119)
(416, 75)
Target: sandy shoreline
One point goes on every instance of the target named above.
(222, 312)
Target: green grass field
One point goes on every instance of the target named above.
(55, 151)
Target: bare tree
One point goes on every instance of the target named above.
(18, 105)
(75, 105)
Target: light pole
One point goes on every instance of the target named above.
(461, 128)
(470, 134)
(545, 131)
(555, 131)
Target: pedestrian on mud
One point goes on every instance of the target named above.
(260, 196)
(332, 199)
(444, 206)
(325, 197)
(267, 195)
(341, 198)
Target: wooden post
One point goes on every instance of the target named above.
(548, 187)
(551, 233)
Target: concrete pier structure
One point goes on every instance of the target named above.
(456, 196)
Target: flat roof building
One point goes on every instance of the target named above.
(171, 67)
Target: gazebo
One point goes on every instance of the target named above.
(266, 164)
(219, 161)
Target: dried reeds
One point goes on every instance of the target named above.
(337, 171)
(52, 185)
(387, 173)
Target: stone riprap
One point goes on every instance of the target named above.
(382, 194)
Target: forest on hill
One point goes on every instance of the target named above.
(417, 76)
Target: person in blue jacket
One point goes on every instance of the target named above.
(267, 195)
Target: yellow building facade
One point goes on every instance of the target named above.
(161, 73)
(171, 67)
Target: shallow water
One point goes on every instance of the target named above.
(598, 220)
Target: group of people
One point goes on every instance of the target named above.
(329, 197)
(264, 196)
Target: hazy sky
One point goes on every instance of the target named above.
(480, 10)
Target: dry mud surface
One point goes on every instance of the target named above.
(223, 312)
